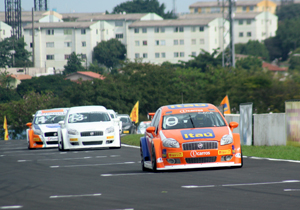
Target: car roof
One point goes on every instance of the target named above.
(52, 111)
(87, 109)
(123, 115)
(111, 111)
(193, 107)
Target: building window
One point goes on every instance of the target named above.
(156, 30)
(30, 44)
(244, 9)
(176, 29)
(201, 28)
(4, 32)
(83, 31)
(145, 43)
(201, 41)
(145, 55)
(119, 23)
(181, 42)
(83, 56)
(136, 30)
(49, 44)
(181, 54)
(137, 43)
(136, 55)
(67, 57)
(193, 41)
(144, 30)
(156, 55)
(68, 44)
(249, 34)
(251, 8)
(175, 42)
(193, 29)
(195, 10)
(67, 31)
(83, 44)
(50, 57)
(175, 54)
(181, 29)
(119, 36)
(156, 42)
(240, 22)
(241, 34)
(162, 42)
(194, 54)
(162, 30)
(163, 55)
(96, 31)
(50, 32)
(248, 22)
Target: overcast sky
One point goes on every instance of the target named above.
(66, 6)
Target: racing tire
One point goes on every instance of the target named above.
(142, 159)
(241, 160)
(61, 145)
(28, 143)
(153, 161)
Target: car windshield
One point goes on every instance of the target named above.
(48, 119)
(192, 120)
(125, 119)
(143, 125)
(112, 116)
(88, 117)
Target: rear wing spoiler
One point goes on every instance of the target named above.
(150, 115)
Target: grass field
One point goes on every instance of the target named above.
(289, 152)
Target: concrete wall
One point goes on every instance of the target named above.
(233, 118)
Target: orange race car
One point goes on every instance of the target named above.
(183, 136)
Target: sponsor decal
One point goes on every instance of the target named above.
(125, 131)
(109, 137)
(180, 106)
(164, 153)
(73, 139)
(170, 112)
(36, 139)
(238, 155)
(191, 110)
(233, 150)
(159, 160)
(175, 154)
(197, 134)
(224, 152)
(92, 133)
(52, 138)
(195, 153)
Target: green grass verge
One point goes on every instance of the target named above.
(289, 152)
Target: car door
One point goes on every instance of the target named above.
(154, 123)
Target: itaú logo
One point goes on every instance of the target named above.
(195, 153)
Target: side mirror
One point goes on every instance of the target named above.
(150, 129)
(233, 125)
(61, 123)
(29, 124)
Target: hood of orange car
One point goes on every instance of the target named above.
(198, 134)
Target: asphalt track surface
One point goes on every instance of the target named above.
(112, 179)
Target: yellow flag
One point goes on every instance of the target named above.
(134, 115)
(225, 104)
(5, 129)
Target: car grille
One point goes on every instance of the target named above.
(200, 145)
(201, 160)
(52, 142)
(87, 143)
(92, 133)
(48, 134)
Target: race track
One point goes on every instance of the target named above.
(112, 179)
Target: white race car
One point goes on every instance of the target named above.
(42, 131)
(113, 115)
(88, 127)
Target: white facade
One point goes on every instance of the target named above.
(5, 31)
(254, 26)
(174, 40)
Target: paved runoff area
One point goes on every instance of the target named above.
(112, 179)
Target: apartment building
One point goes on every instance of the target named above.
(5, 31)
(174, 40)
(241, 6)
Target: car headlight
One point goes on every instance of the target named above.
(38, 132)
(226, 139)
(110, 130)
(126, 127)
(170, 142)
(73, 132)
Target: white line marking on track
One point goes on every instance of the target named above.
(288, 190)
(242, 184)
(11, 207)
(101, 156)
(126, 145)
(100, 164)
(128, 174)
(82, 158)
(73, 196)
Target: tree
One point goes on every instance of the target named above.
(273, 45)
(254, 48)
(249, 63)
(73, 64)
(288, 12)
(109, 53)
(143, 6)
(294, 60)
